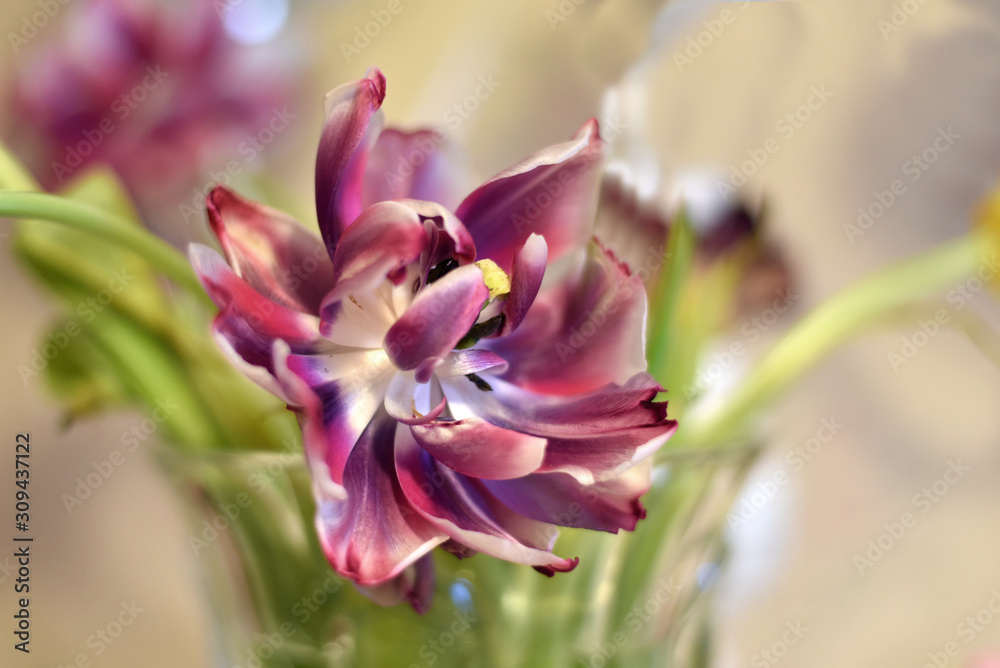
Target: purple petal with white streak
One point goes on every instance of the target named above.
(593, 437)
(476, 448)
(464, 510)
(559, 498)
(440, 315)
(581, 334)
(373, 534)
(350, 388)
(526, 277)
(249, 321)
(348, 135)
(552, 193)
(385, 239)
(271, 251)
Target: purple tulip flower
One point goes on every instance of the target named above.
(447, 395)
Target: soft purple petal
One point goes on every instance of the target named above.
(271, 251)
(385, 239)
(474, 360)
(414, 165)
(350, 388)
(464, 510)
(308, 408)
(401, 403)
(447, 237)
(476, 448)
(440, 315)
(373, 534)
(581, 334)
(525, 280)
(558, 498)
(552, 193)
(361, 320)
(593, 437)
(343, 151)
(249, 321)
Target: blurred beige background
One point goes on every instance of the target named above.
(890, 92)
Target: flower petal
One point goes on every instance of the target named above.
(465, 510)
(581, 334)
(352, 126)
(447, 237)
(414, 165)
(271, 251)
(593, 437)
(553, 193)
(249, 321)
(373, 534)
(440, 315)
(309, 408)
(464, 362)
(385, 239)
(401, 400)
(476, 448)
(350, 388)
(558, 498)
(525, 281)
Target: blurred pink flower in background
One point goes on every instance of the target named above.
(729, 229)
(159, 91)
(446, 397)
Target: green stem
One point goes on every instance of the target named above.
(862, 306)
(90, 219)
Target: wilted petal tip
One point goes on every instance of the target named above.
(549, 570)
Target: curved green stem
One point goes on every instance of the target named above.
(862, 306)
(87, 218)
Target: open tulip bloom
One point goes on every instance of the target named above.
(467, 377)
(466, 373)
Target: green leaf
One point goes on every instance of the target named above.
(78, 375)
